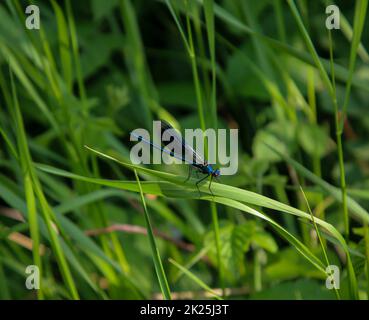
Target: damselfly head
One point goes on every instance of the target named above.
(216, 173)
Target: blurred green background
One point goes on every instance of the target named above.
(96, 70)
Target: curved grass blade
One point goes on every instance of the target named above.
(189, 274)
(225, 191)
(355, 209)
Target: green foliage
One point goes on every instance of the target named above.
(99, 227)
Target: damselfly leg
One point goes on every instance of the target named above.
(201, 180)
(211, 180)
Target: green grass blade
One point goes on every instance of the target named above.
(341, 73)
(167, 189)
(322, 245)
(33, 225)
(359, 21)
(64, 46)
(310, 46)
(155, 251)
(159, 188)
(209, 18)
(9, 144)
(75, 50)
(348, 32)
(196, 279)
(355, 209)
(179, 26)
(27, 166)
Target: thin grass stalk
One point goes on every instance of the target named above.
(164, 287)
(197, 24)
(337, 115)
(201, 283)
(209, 17)
(214, 217)
(313, 119)
(198, 90)
(310, 46)
(210, 29)
(322, 244)
(359, 21)
(34, 229)
(77, 63)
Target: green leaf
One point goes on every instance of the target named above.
(193, 277)
(282, 140)
(314, 139)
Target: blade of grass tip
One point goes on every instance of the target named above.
(192, 261)
(195, 279)
(155, 251)
(320, 238)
